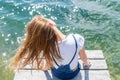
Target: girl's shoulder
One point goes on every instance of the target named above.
(68, 38)
(80, 40)
(77, 36)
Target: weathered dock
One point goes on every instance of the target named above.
(97, 71)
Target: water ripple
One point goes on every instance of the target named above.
(97, 20)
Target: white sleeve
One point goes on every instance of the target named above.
(80, 41)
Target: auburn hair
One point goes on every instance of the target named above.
(40, 43)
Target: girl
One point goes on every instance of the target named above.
(49, 48)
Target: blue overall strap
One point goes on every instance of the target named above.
(76, 46)
(55, 61)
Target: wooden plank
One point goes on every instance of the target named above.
(93, 75)
(94, 54)
(96, 65)
(97, 71)
(34, 75)
(83, 75)
(96, 58)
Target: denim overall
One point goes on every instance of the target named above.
(64, 72)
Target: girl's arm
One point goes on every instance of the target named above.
(84, 58)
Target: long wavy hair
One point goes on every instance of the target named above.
(40, 43)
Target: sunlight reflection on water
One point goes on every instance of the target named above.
(98, 21)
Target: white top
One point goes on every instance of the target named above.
(67, 50)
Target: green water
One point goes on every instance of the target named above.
(97, 20)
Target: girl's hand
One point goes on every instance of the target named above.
(44, 66)
(87, 63)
